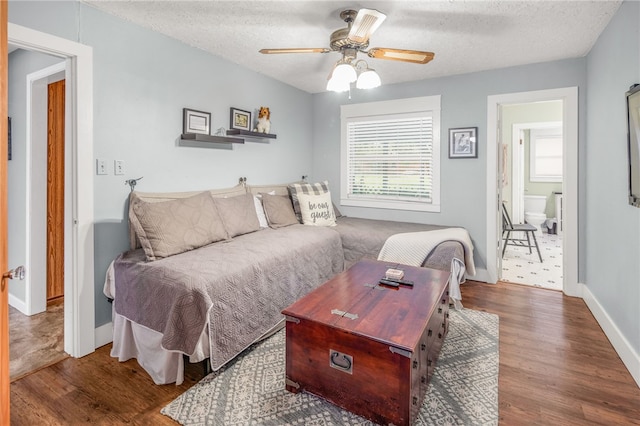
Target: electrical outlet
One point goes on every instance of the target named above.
(101, 167)
(118, 166)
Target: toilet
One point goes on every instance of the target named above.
(534, 207)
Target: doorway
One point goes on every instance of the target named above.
(36, 211)
(569, 98)
(531, 173)
(79, 317)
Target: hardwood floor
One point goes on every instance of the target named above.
(556, 367)
(35, 341)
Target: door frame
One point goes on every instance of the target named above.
(569, 98)
(79, 303)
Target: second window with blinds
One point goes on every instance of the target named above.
(390, 154)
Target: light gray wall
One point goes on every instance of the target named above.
(142, 80)
(612, 226)
(21, 63)
(464, 104)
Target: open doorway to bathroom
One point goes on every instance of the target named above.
(532, 191)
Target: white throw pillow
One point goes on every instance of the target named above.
(262, 218)
(317, 210)
(260, 212)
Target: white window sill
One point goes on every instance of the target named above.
(388, 204)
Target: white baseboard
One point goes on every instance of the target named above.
(104, 334)
(18, 304)
(627, 354)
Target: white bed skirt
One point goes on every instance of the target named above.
(132, 340)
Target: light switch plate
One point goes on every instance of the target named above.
(101, 167)
(118, 167)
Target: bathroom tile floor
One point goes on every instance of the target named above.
(518, 266)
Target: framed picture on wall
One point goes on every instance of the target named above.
(463, 142)
(240, 119)
(196, 121)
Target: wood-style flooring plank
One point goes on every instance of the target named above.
(556, 367)
(556, 364)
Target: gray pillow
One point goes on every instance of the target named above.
(238, 214)
(171, 227)
(279, 210)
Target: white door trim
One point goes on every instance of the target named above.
(569, 96)
(79, 304)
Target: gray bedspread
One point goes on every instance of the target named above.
(363, 239)
(174, 295)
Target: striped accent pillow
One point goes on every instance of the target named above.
(305, 188)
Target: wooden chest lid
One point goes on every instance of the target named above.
(353, 301)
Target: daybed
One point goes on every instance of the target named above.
(212, 292)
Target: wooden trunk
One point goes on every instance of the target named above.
(369, 348)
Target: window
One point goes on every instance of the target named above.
(390, 154)
(545, 155)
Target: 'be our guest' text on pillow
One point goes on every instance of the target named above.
(317, 210)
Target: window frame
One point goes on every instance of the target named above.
(534, 134)
(425, 104)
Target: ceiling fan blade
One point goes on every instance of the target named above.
(415, 56)
(366, 22)
(296, 50)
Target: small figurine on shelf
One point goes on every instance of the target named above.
(264, 123)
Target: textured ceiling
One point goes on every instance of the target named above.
(466, 36)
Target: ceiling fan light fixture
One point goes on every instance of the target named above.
(368, 79)
(337, 85)
(352, 40)
(344, 71)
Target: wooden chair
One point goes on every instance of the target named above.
(508, 227)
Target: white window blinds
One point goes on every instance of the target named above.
(545, 153)
(390, 157)
(390, 154)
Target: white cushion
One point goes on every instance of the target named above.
(317, 210)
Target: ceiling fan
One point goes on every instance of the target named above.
(351, 40)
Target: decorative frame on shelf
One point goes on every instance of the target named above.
(240, 119)
(463, 142)
(196, 122)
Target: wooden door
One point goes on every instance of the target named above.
(55, 191)
(4, 284)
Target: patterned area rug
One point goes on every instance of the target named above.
(250, 391)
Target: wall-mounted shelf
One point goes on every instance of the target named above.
(250, 135)
(207, 141)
